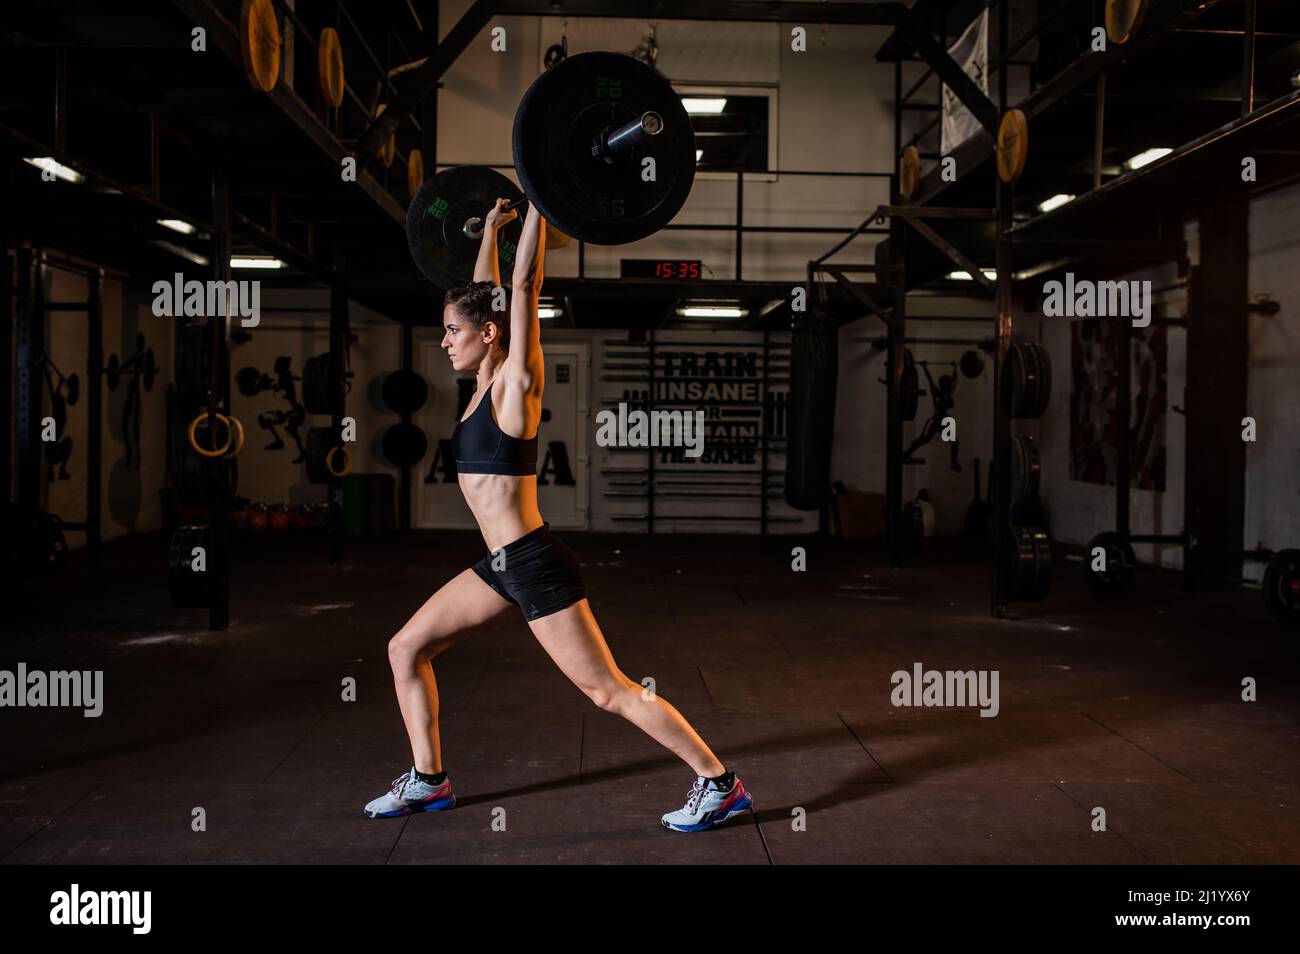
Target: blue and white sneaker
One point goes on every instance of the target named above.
(410, 795)
(707, 806)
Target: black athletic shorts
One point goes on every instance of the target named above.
(538, 573)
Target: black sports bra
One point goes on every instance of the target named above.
(481, 447)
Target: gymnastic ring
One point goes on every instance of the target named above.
(239, 436)
(215, 452)
(347, 462)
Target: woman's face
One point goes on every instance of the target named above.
(465, 344)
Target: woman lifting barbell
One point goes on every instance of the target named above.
(527, 566)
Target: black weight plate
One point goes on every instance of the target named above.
(1027, 559)
(1038, 380)
(1121, 564)
(1025, 470)
(911, 388)
(189, 588)
(404, 444)
(404, 391)
(248, 380)
(1282, 587)
(972, 364)
(436, 217)
(563, 113)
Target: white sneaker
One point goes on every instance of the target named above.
(410, 795)
(707, 806)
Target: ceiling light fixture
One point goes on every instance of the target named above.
(255, 261)
(1055, 202)
(177, 225)
(1146, 157)
(704, 105)
(59, 170)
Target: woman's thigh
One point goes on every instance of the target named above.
(461, 605)
(572, 638)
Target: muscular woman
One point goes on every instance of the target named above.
(526, 565)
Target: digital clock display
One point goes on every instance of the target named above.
(677, 269)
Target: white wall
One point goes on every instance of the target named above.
(1273, 386)
(1272, 476)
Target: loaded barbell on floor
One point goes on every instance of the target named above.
(1112, 571)
(602, 146)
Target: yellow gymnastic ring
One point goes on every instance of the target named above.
(347, 462)
(216, 452)
(238, 425)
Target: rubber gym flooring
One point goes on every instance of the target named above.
(1133, 707)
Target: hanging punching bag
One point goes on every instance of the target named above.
(814, 362)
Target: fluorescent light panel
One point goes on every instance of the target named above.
(1146, 157)
(712, 311)
(255, 261)
(59, 169)
(704, 105)
(961, 276)
(177, 225)
(1055, 202)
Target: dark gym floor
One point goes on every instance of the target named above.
(1131, 706)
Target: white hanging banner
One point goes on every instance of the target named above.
(971, 53)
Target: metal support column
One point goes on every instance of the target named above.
(650, 457)
(94, 409)
(405, 488)
(218, 340)
(895, 356)
(339, 342)
(1248, 60)
(1099, 132)
(1124, 409)
(8, 319)
(1001, 489)
(29, 345)
(765, 427)
(429, 105)
(740, 220)
(61, 103)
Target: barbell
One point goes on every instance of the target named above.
(602, 147)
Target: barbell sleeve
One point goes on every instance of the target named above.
(621, 140)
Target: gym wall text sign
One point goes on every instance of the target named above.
(946, 688)
(196, 299)
(729, 386)
(651, 429)
(1086, 299)
(37, 689)
(76, 907)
